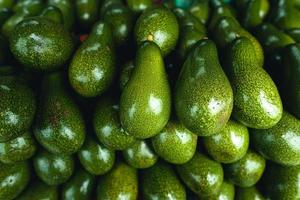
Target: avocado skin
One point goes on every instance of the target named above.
(121, 180)
(13, 179)
(161, 182)
(87, 12)
(17, 108)
(248, 193)
(67, 9)
(223, 146)
(5, 14)
(226, 192)
(175, 143)
(294, 33)
(49, 171)
(53, 13)
(157, 23)
(283, 147)
(30, 6)
(18, 149)
(6, 4)
(95, 158)
(138, 6)
(244, 175)
(201, 10)
(125, 74)
(79, 186)
(196, 172)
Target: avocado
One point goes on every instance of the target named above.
(175, 143)
(139, 5)
(13, 179)
(120, 182)
(202, 175)
(247, 171)
(17, 107)
(219, 12)
(5, 14)
(59, 125)
(53, 13)
(125, 74)
(201, 10)
(6, 4)
(53, 169)
(92, 67)
(248, 193)
(30, 6)
(158, 25)
(67, 9)
(87, 12)
(9, 24)
(161, 182)
(147, 95)
(226, 192)
(203, 95)
(294, 33)
(230, 144)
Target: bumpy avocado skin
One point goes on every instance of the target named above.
(17, 108)
(175, 143)
(13, 179)
(248, 193)
(53, 169)
(203, 95)
(196, 172)
(122, 180)
(226, 192)
(161, 182)
(158, 24)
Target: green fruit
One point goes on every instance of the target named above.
(93, 66)
(158, 24)
(147, 95)
(87, 12)
(218, 13)
(226, 191)
(95, 158)
(13, 179)
(247, 171)
(203, 96)
(249, 193)
(59, 126)
(294, 33)
(202, 175)
(41, 44)
(175, 143)
(140, 155)
(53, 13)
(9, 25)
(160, 182)
(280, 143)
(108, 127)
(17, 108)
(121, 182)
(6, 3)
(201, 10)
(125, 74)
(139, 5)
(5, 14)
(31, 6)
(79, 187)
(230, 144)
(67, 9)
(53, 169)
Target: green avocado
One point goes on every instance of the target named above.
(5, 14)
(230, 144)
(139, 5)
(219, 12)
(6, 3)
(294, 33)
(53, 13)
(248, 193)
(10, 23)
(201, 10)
(226, 192)
(125, 74)
(87, 12)
(67, 9)
(30, 6)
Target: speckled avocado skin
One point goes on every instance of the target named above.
(230, 144)
(248, 193)
(158, 24)
(17, 108)
(202, 103)
(53, 13)
(226, 192)
(41, 44)
(161, 182)
(13, 179)
(122, 180)
(175, 143)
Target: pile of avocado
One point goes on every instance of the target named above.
(149, 100)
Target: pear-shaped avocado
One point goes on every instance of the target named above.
(202, 175)
(121, 181)
(147, 95)
(281, 142)
(161, 182)
(96, 158)
(93, 66)
(87, 12)
(220, 11)
(59, 126)
(67, 9)
(53, 169)
(203, 95)
(175, 143)
(248, 193)
(17, 108)
(139, 5)
(13, 179)
(108, 127)
(230, 144)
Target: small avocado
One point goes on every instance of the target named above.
(140, 155)
(96, 158)
(79, 187)
(294, 33)
(158, 25)
(13, 179)
(203, 95)
(87, 12)
(175, 143)
(230, 144)
(202, 175)
(59, 125)
(161, 182)
(201, 10)
(17, 107)
(147, 95)
(126, 73)
(226, 192)
(139, 5)
(53, 13)
(247, 171)
(67, 9)
(53, 169)
(248, 193)
(120, 182)
(108, 127)
(219, 12)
